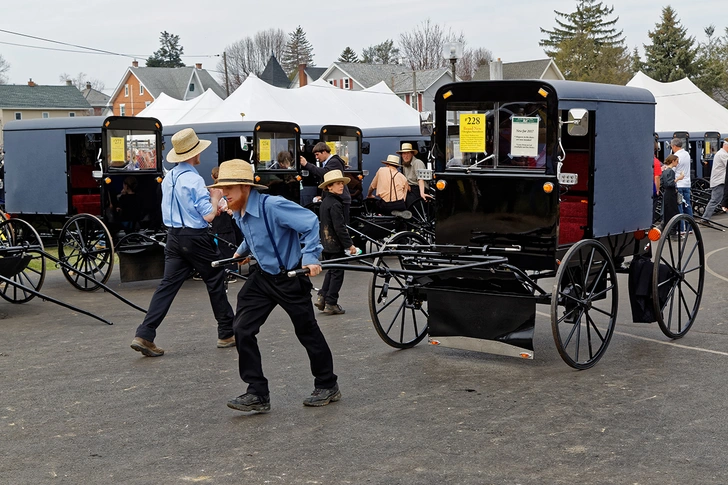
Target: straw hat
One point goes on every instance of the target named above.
(332, 177)
(236, 172)
(392, 160)
(407, 147)
(186, 145)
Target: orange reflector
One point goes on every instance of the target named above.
(558, 262)
(434, 342)
(257, 128)
(106, 124)
(360, 177)
(157, 125)
(548, 187)
(107, 180)
(324, 130)
(295, 128)
(543, 92)
(447, 95)
(525, 355)
(159, 180)
(298, 178)
(358, 132)
(257, 178)
(441, 184)
(639, 235)
(654, 234)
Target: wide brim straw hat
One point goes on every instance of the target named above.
(332, 177)
(185, 145)
(392, 160)
(235, 172)
(407, 147)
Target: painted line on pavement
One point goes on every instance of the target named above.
(673, 344)
(707, 267)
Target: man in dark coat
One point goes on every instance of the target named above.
(335, 239)
(328, 162)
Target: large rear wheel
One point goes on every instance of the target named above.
(584, 304)
(21, 260)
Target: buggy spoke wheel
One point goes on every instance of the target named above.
(422, 221)
(85, 244)
(678, 276)
(584, 304)
(397, 305)
(21, 261)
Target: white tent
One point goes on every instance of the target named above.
(316, 103)
(682, 106)
(172, 111)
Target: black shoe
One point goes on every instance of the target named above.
(320, 303)
(334, 310)
(321, 397)
(250, 402)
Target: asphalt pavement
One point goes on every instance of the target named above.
(79, 406)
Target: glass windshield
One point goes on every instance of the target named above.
(275, 151)
(496, 135)
(347, 148)
(131, 150)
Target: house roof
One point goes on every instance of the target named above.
(424, 79)
(41, 97)
(315, 72)
(516, 70)
(367, 75)
(274, 74)
(172, 81)
(95, 98)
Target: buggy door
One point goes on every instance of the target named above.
(276, 150)
(496, 149)
(346, 142)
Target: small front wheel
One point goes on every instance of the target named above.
(85, 245)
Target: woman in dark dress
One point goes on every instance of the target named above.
(669, 189)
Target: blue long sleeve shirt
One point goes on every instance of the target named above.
(295, 230)
(185, 199)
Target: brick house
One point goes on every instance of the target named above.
(32, 101)
(140, 86)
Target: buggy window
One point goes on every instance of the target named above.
(496, 135)
(132, 150)
(275, 151)
(347, 148)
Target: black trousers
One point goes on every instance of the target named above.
(333, 280)
(187, 249)
(256, 300)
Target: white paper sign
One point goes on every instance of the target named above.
(524, 136)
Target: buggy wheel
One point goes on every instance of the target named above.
(422, 221)
(397, 305)
(678, 276)
(85, 245)
(584, 304)
(22, 260)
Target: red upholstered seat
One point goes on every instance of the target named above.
(87, 204)
(81, 177)
(573, 211)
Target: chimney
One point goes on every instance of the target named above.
(496, 70)
(69, 82)
(302, 81)
(134, 63)
(88, 85)
(198, 65)
(31, 83)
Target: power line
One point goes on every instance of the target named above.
(66, 43)
(51, 48)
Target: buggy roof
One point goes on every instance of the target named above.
(56, 123)
(583, 91)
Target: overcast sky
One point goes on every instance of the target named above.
(509, 29)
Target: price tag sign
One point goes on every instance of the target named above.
(264, 150)
(524, 136)
(118, 154)
(472, 133)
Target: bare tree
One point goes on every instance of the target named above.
(471, 61)
(4, 67)
(250, 55)
(81, 80)
(422, 47)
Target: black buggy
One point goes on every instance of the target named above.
(543, 197)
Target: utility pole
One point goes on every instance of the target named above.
(414, 90)
(227, 82)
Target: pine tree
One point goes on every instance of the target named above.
(169, 54)
(348, 55)
(586, 45)
(672, 55)
(298, 50)
(384, 53)
(712, 56)
(635, 62)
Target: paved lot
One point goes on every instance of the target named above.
(77, 405)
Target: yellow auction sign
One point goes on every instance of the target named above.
(118, 154)
(264, 150)
(472, 133)
(332, 146)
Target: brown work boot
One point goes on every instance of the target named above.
(146, 347)
(226, 343)
(334, 309)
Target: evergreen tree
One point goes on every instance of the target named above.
(348, 55)
(384, 53)
(672, 55)
(636, 62)
(298, 50)
(586, 45)
(169, 53)
(712, 56)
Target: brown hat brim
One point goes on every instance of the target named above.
(174, 157)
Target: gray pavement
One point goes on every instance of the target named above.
(77, 405)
